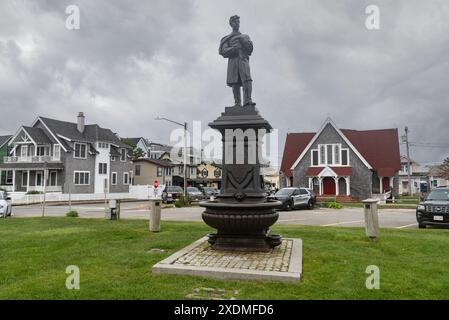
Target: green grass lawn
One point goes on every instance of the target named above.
(115, 262)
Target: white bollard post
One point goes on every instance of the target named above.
(155, 214)
(371, 218)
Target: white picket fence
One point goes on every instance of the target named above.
(135, 192)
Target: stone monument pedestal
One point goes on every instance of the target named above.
(241, 212)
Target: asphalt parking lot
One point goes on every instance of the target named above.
(346, 217)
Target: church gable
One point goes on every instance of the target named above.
(329, 147)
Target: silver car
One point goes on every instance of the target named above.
(194, 194)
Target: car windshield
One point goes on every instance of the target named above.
(208, 189)
(192, 189)
(285, 192)
(442, 195)
(174, 189)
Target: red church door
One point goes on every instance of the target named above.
(385, 184)
(329, 186)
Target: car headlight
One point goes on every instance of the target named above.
(421, 207)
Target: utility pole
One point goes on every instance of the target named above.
(184, 152)
(185, 160)
(408, 162)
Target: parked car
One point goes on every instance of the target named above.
(295, 197)
(434, 210)
(5, 204)
(171, 194)
(194, 194)
(210, 191)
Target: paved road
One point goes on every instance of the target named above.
(347, 217)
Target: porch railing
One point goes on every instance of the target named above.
(31, 159)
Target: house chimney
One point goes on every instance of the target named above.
(80, 122)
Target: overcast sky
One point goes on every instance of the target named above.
(134, 60)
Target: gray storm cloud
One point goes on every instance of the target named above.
(134, 60)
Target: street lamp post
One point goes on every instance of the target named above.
(184, 125)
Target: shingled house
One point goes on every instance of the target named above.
(66, 157)
(349, 164)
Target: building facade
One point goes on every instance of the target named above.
(419, 177)
(67, 157)
(349, 164)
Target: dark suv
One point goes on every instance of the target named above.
(435, 209)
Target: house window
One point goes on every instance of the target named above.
(159, 171)
(123, 154)
(322, 154)
(204, 173)
(126, 178)
(344, 157)
(337, 154)
(57, 151)
(6, 177)
(43, 151)
(24, 151)
(114, 178)
(314, 157)
(113, 158)
(103, 168)
(80, 151)
(330, 154)
(81, 178)
(181, 170)
(217, 173)
(193, 171)
(137, 168)
(9, 177)
(53, 181)
(24, 178)
(39, 180)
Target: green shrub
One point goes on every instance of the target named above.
(72, 214)
(182, 202)
(333, 205)
(34, 192)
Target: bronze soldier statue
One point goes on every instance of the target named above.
(237, 47)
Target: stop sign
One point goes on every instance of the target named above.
(155, 184)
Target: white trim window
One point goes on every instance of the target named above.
(114, 178)
(102, 168)
(314, 158)
(81, 178)
(331, 154)
(123, 154)
(39, 179)
(57, 151)
(24, 178)
(125, 178)
(345, 157)
(80, 150)
(53, 179)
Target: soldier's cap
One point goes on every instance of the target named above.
(233, 18)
